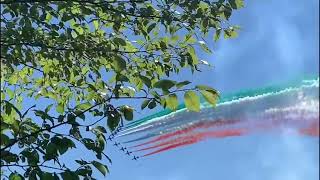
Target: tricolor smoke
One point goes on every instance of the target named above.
(270, 110)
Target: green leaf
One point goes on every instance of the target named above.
(146, 81)
(3, 95)
(48, 17)
(101, 143)
(119, 64)
(165, 84)
(96, 24)
(182, 84)
(152, 104)
(71, 118)
(9, 107)
(80, 30)
(193, 55)
(113, 121)
(51, 151)
(10, 93)
(236, 4)
(204, 87)
(32, 156)
(128, 112)
(172, 102)
(4, 140)
(102, 168)
(80, 114)
(47, 176)
(15, 176)
(152, 26)
(210, 96)
(88, 143)
(83, 106)
(205, 47)
(145, 103)
(192, 101)
(217, 35)
(227, 12)
(60, 108)
(84, 171)
(48, 108)
(120, 41)
(101, 129)
(230, 33)
(69, 175)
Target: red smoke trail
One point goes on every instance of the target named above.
(173, 141)
(216, 134)
(208, 124)
(312, 130)
(194, 138)
(192, 141)
(268, 123)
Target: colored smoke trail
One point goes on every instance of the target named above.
(246, 105)
(170, 142)
(197, 137)
(166, 115)
(251, 112)
(275, 123)
(194, 138)
(270, 118)
(170, 147)
(191, 128)
(312, 130)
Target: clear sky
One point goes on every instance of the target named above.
(279, 41)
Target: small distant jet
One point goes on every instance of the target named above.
(110, 138)
(128, 153)
(116, 144)
(122, 149)
(135, 158)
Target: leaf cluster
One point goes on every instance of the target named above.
(75, 60)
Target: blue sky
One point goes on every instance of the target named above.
(278, 42)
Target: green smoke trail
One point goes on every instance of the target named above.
(249, 93)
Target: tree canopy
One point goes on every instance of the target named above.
(67, 64)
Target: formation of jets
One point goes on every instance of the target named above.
(111, 137)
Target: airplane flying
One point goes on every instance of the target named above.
(128, 153)
(116, 144)
(122, 149)
(135, 158)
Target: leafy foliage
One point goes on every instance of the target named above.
(76, 59)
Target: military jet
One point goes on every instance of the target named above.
(128, 153)
(116, 144)
(135, 158)
(122, 149)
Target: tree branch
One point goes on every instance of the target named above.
(50, 128)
